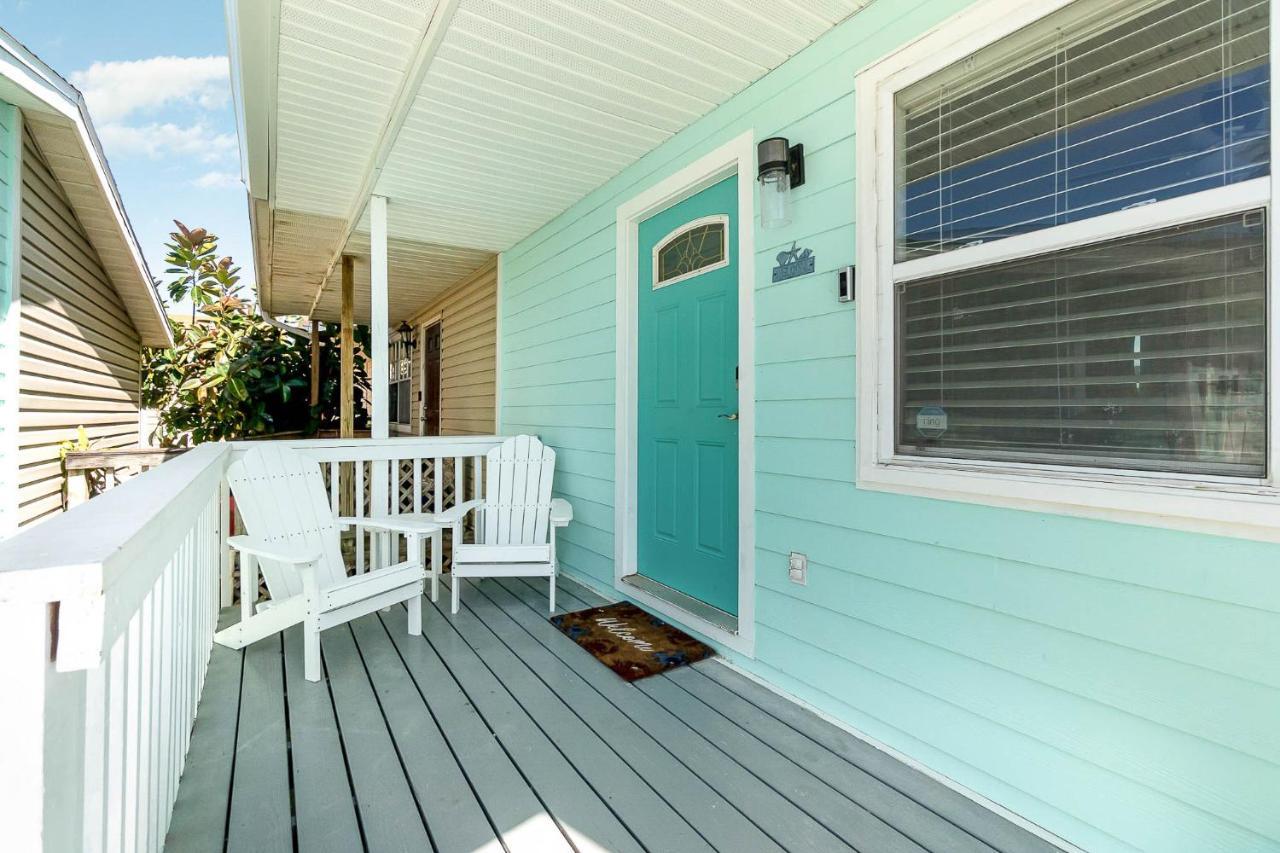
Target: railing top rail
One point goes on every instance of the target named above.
(81, 460)
(402, 447)
(82, 552)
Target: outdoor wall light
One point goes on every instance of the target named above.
(781, 169)
(405, 331)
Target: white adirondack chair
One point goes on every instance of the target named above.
(516, 520)
(294, 537)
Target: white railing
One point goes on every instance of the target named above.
(393, 475)
(107, 615)
(106, 620)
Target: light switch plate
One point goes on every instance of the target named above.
(798, 568)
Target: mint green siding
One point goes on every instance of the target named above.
(10, 146)
(1118, 685)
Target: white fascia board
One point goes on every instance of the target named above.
(253, 28)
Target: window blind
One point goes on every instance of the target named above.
(1098, 107)
(1145, 352)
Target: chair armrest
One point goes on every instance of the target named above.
(279, 552)
(454, 514)
(397, 524)
(561, 512)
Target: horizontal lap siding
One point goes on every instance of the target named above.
(1116, 684)
(80, 352)
(467, 355)
(10, 143)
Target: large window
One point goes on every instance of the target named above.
(1142, 352)
(1075, 276)
(1101, 106)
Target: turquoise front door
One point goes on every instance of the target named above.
(687, 412)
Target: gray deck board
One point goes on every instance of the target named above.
(494, 732)
(957, 809)
(925, 828)
(323, 805)
(510, 802)
(387, 803)
(454, 815)
(761, 808)
(582, 814)
(201, 807)
(638, 730)
(633, 799)
(260, 816)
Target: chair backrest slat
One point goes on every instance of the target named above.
(282, 498)
(518, 492)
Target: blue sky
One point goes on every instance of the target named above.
(155, 76)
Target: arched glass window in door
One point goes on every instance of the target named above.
(692, 249)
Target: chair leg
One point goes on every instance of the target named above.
(415, 615)
(437, 561)
(311, 651)
(456, 583)
(552, 596)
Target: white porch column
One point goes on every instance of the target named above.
(378, 322)
(380, 488)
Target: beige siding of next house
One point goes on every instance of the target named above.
(468, 312)
(80, 354)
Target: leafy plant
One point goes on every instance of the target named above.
(79, 444)
(193, 261)
(230, 373)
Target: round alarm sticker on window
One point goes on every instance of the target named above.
(931, 421)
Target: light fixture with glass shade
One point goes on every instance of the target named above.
(405, 331)
(781, 169)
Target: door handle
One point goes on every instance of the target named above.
(733, 416)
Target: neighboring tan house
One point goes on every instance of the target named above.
(442, 376)
(77, 302)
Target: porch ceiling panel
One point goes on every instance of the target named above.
(479, 120)
(339, 64)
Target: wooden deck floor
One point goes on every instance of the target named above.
(494, 732)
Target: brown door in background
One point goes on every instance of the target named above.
(431, 381)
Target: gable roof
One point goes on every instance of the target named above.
(56, 114)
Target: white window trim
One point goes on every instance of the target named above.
(1232, 506)
(679, 231)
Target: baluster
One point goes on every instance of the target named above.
(97, 720)
(417, 484)
(458, 477)
(133, 731)
(359, 513)
(335, 478)
(437, 476)
(117, 743)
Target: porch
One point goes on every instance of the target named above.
(494, 731)
(130, 730)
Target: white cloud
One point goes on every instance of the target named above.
(116, 90)
(218, 180)
(158, 140)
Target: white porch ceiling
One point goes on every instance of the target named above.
(479, 120)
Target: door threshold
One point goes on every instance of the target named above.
(699, 610)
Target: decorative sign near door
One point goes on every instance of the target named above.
(793, 263)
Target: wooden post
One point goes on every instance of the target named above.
(315, 363)
(346, 421)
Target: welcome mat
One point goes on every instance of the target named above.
(629, 641)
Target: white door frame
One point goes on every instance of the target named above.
(734, 157)
(420, 331)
